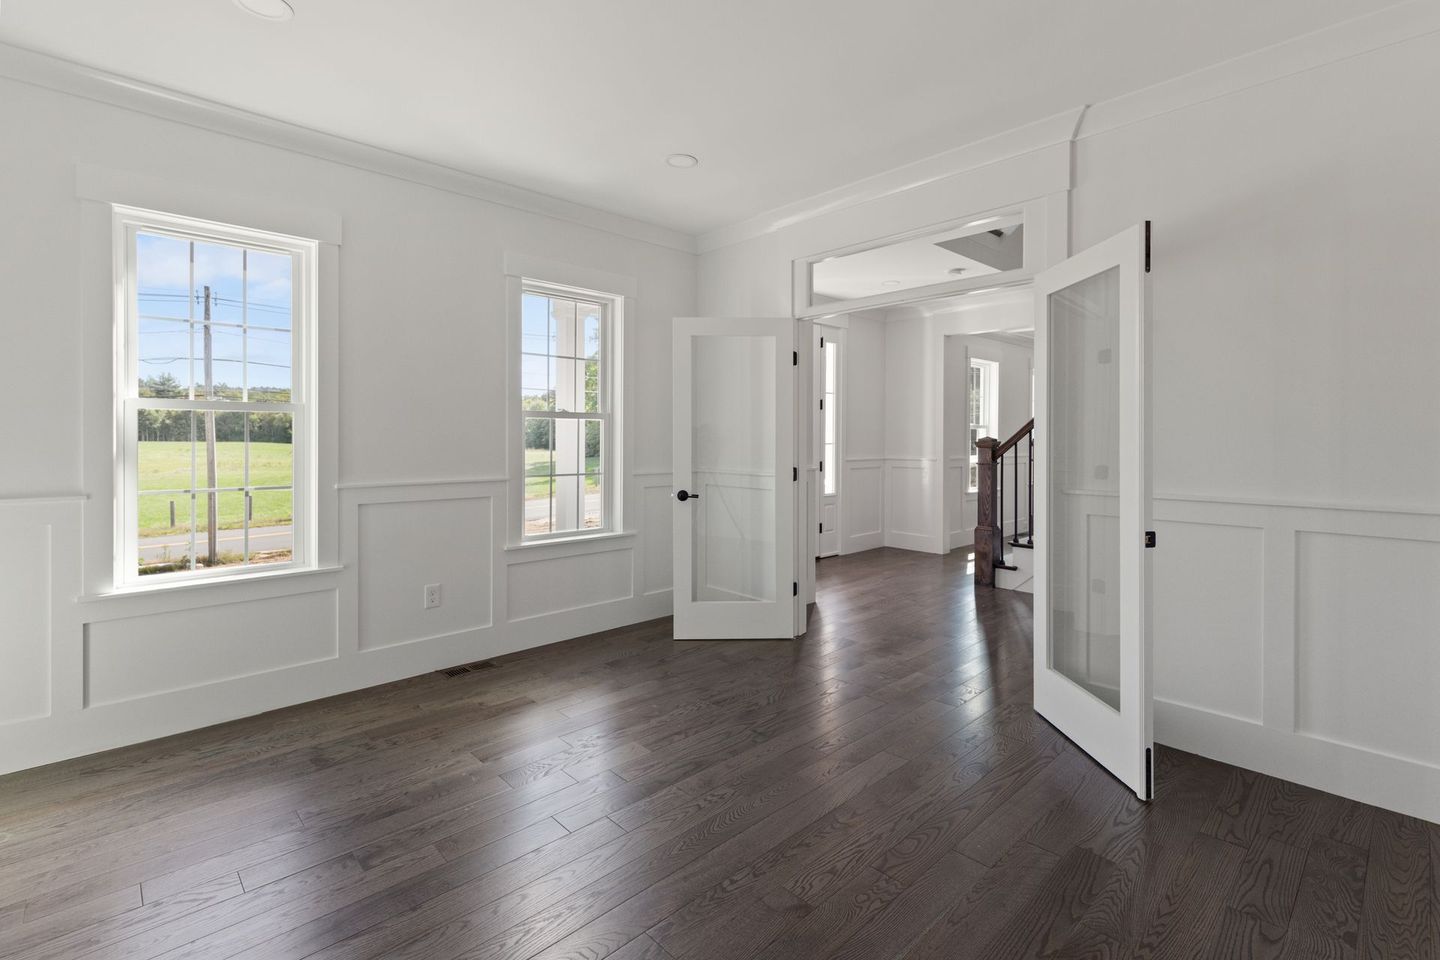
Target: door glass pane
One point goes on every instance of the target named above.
(733, 410)
(1083, 485)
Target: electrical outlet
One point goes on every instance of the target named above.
(432, 595)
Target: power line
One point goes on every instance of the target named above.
(253, 363)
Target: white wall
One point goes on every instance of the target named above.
(1294, 342)
(414, 284)
(862, 424)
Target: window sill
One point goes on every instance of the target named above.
(178, 586)
(569, 545)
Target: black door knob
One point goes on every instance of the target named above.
(684, 495)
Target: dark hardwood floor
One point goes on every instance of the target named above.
(881, 788)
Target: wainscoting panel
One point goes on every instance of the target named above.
(25, 630)
(909, 520)
(134, 657)
(656, 511)
(1367, 652)
(1299, 639)
(404, 545)
(862, 498)
(1212, 617)
(590, 579)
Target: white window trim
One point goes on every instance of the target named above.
(612, 388)
(126, 223)
(991, 379)
(830, 393)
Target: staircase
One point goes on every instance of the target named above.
(1005, 525)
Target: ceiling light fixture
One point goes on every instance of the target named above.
(956, 271)
(890, 283)
(274, 10)
(682, 160)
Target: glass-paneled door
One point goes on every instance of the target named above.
(1092, 504)
(735, 478)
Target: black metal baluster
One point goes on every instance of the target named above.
(1030, 523)
(999, 506)
(1015, 494)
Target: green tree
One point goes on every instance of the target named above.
(161, 385)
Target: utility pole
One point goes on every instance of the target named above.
(210, 510)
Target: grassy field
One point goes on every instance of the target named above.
(165, 465)
(537, 474)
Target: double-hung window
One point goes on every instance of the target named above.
(566, 403)
(984, 411)
(213, 398)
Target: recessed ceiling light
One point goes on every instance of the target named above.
(956, 271)
(890, 283)
(682, 160)
(267, 9)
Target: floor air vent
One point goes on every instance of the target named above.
(470, 667)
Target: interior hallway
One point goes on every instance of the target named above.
(881, 788)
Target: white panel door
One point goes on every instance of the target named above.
(1092, 504)
(735, 478)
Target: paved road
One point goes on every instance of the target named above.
(230, 541)
(539, 508)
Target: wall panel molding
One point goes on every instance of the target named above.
(1291, 591)
(909, 483)
(862, 504)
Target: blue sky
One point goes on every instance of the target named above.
(256, 283)
(543, 361)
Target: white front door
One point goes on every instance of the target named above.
(735, 478)
(1092, 504)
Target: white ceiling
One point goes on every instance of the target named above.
(780, 99)
(908, 264)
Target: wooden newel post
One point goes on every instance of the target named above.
(989, 545)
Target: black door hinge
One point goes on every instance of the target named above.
(795, 358)
(794, 588)
(822, 528)
(795, 474)
(1147, 246)
(822, 343)
(822, 466)
(822, 403)
(1149, 538)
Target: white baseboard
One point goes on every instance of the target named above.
(1364, 775)
(861, 542)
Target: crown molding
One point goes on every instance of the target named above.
(65, 76)
(1059, 128)
(1342, 41)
